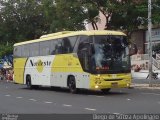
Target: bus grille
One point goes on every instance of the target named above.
(113, 79)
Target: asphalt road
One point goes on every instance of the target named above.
(17, 99)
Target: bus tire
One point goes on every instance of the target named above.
(28, 82)
(72, 84)
(106, 90)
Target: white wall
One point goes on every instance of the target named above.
(100, 24)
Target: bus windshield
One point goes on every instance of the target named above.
(110, 54)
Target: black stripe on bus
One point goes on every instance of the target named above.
(24, 69)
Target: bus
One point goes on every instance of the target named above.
(94, 60)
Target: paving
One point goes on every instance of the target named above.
(139, 81)
(146, 86)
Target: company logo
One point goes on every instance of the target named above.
(40, 64)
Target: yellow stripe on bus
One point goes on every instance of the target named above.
(66, 63)
(19, 67)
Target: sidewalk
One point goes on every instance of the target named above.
(146, 86)
(139, 80)
(142, 74)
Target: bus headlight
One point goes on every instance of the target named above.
(128, 85)
(96, 86)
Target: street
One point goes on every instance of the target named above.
(17, 99)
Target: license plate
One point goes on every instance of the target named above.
(115, 84)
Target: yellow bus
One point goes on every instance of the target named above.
(95, 60)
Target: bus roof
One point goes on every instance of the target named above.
(70, 33)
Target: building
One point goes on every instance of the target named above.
(100, 24)
(140, 37)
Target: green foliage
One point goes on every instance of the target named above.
(127, 15)
(155, 12)
(28, 19)
(6, 50)
(69, 15)
(91, 14)
(21, 20)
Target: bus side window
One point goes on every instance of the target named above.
(83, 54)
(26, 50)
(53, 45)
(32, 49)
(66, 46)
(44, 48)
(58, 47)
(17, 51)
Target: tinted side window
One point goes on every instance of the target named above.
(53, 44)
(44, 48)
(72, 41)
(25, 50)
(68, 44)
(59, 47)
(34, 49)
(82, 42)
(17, 51)
(83, 54)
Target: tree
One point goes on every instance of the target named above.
(127, 15)
(155, 12)
(28, 19)
(6, 50)
(20, 21)
(91, 13)
(69, 15)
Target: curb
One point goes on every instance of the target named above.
(146, 86)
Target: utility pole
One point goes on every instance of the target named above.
(150, 41)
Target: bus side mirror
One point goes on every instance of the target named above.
(133, 49)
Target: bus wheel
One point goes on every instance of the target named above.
(72, 84)
(28, 82)
(106, 90)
